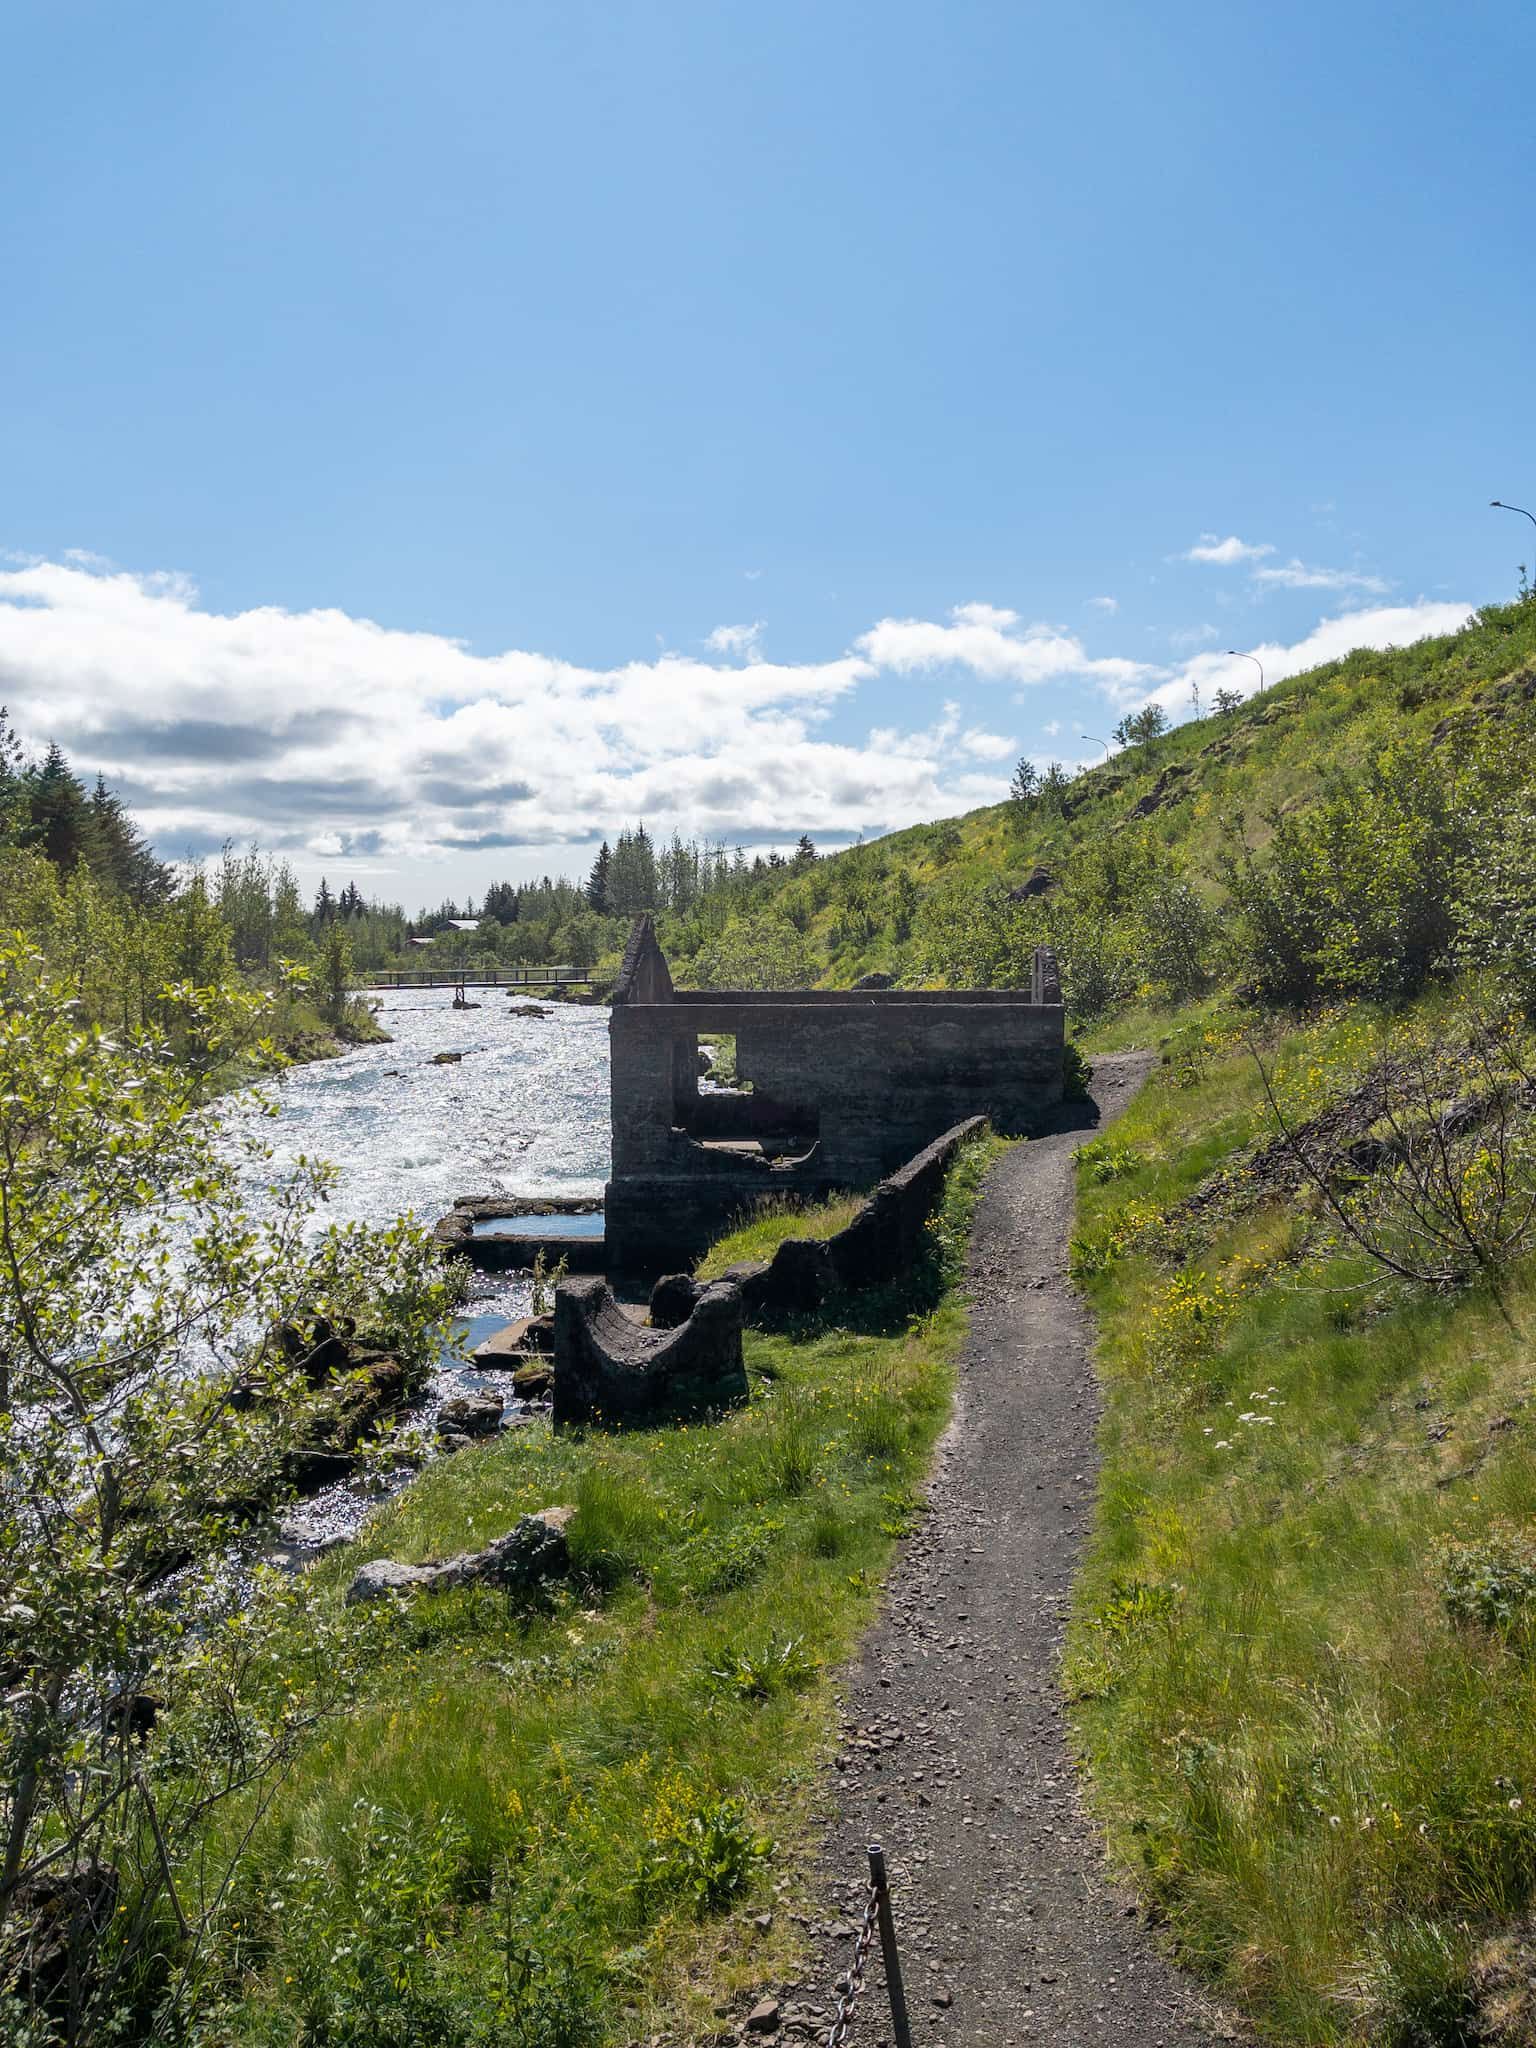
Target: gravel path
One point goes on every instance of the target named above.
(955, 1752)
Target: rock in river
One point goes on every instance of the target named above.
(470, 1415)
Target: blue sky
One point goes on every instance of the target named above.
(397, 403)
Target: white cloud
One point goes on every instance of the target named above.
(1182, 638)
(331, 738)
(1385, 626)
(1105, 604)
(1296, 575)
(987, 640)
(327, 736)
(742, 640)
(1225, 553)
(986, 746)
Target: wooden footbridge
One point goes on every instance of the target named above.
(476, 977)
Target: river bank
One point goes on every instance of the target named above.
(518, 1110)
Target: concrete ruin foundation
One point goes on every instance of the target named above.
(838, 1088)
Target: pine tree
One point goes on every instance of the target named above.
(121, 856)
(1025, 786)
(597, 881)
(805, 849)
(500, 904)
(325, 903)
(58, 815)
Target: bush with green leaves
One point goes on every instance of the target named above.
(146, 1403)
(1490, 1581)
(702, 1851)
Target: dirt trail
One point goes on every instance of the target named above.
(955, 1756)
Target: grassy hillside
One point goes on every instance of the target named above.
(1302, 1658)
(1129, 869)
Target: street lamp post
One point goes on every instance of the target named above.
(1239, 655)
(1498, 505)
(1096, 741)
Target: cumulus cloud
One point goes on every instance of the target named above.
(737, 640)
(1105, 604)
(1225, 554)
(330, 737)
(991, 643)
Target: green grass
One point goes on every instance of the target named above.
(1325, 1782)
(772, 1223)
(596, 1781)
(861, 909)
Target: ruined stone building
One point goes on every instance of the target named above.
(838, 1088)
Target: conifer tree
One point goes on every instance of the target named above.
(121, 856)
(597, 881)
(59, 822)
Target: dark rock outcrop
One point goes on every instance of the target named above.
(876, 980)
(534, 1550)
(609, 1370)
(1038, 882)
(470, 1415)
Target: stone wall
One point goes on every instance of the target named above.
(845, 1084)
(883, 1241)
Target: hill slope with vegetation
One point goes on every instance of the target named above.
(1343, 832)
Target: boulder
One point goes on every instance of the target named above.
(533, 1550)
(673, 1300)
(1039, 882)
(517, 1340)
(802, 1275)
(382, 1576)
(470, 1415)
(446, 1059)
(609, 1370)
(533, 1382)
(875, 981)
(66, 1912)
(529, 1010)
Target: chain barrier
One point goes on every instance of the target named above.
(848, 1998)
(877, 1913)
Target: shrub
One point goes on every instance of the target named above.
(1104, 1160)
(782, 1664)
(701, 1848)
(1490, 1582)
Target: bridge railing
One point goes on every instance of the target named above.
(475, 977)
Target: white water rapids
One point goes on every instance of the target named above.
(523, 1113)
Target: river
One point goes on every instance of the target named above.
(523, 1112)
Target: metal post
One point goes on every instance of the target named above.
(893, 1984)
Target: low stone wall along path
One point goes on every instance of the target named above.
(955, 1754)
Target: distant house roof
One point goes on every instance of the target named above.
(465, 924)
(421, 942)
